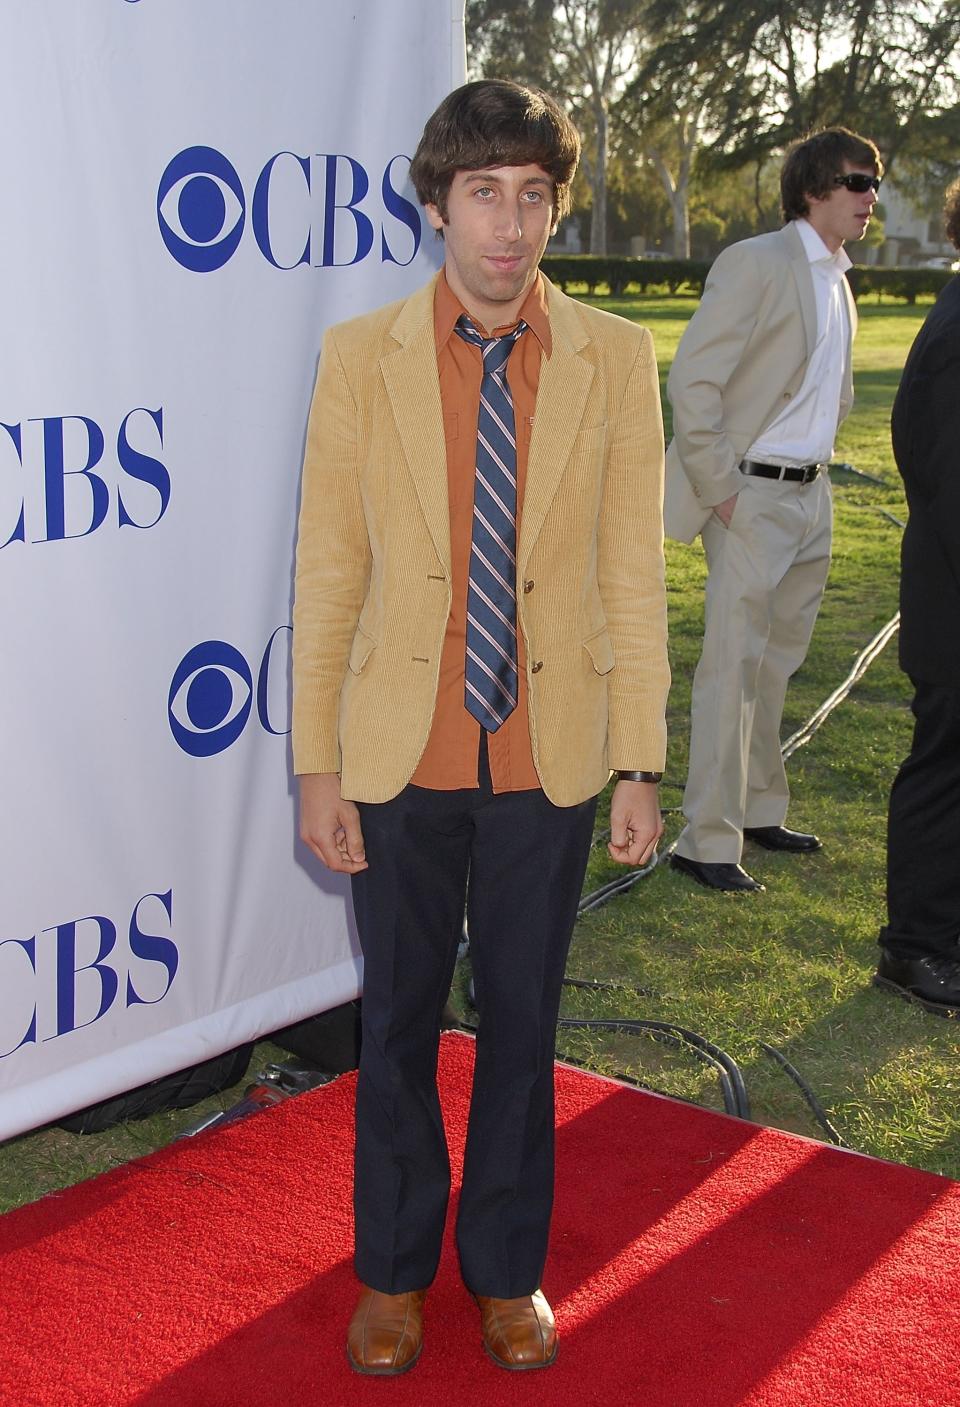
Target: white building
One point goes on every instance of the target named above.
(913, 229)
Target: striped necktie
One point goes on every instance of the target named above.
(490, 667)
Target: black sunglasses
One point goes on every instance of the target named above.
(858, 182)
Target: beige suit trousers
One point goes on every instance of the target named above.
(766, 575)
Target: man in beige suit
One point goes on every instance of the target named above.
(760, 382)
(479, 638)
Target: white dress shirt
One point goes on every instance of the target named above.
(803, 433)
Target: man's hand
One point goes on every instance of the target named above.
(724, 510)
(635, 822)
(330, 825)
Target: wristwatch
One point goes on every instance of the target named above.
(640, 776)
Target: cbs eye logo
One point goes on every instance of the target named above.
(212, 694)
(201, 209)
(210, 697)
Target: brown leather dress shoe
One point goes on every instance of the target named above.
(518, 1333)
(386, 1332)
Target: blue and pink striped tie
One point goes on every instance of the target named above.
(490, 668)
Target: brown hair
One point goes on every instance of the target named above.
(951, 214)
(493, 122)
(813, 161)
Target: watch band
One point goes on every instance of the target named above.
(640, 776)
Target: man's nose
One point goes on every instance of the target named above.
(508, 221)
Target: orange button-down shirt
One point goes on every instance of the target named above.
(451, 756)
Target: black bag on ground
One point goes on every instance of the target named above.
(329, 1041)
(180, 1090)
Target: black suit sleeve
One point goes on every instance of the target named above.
(926, 437)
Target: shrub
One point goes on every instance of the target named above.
(619, 275)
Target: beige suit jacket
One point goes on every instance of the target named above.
(743, 354)
(373, 582)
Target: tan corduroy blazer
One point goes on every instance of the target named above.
(743, 355)
(373, 584)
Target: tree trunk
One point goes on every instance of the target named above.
(598, 183)
(681, 223)
(676, 190)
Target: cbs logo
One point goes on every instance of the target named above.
(212, 694)
(302, 207)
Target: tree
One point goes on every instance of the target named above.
(512, 39)
(672, 148)
(886, 67)
(600, 42)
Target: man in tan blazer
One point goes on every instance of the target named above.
(479, 638)
(759, 385)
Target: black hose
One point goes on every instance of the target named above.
(735, 1098)
(817, 1109)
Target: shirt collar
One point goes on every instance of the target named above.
(447, 308)
(817, 252)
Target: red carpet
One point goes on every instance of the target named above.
(697, 1262)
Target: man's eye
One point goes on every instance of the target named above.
(484, 191)
(533, 197)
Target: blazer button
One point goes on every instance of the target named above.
(527, 587)
(536, 667)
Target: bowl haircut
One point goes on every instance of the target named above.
(493, 122)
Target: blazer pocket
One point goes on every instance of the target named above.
(600, 650)
(591, 435)
(360, 651)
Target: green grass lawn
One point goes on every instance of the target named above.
(791, 967)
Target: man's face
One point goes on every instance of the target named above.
(843, 214)
(497, 226)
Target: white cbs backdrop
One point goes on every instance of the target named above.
(183, 213)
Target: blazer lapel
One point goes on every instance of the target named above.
(800, 267)
(413, 386)
(565, 381)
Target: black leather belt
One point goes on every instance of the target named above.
(804, 475)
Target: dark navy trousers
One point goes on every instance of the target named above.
(516, 863)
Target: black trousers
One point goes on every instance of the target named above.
(923, 831)
(517, 862)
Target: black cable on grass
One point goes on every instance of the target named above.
(893, 517)
(618, 885)
(816, 1108)
(736, 1101)
(592, 984)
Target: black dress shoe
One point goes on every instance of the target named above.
(729, 877)
(933, 982)
(779, 838)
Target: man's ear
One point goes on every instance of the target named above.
(436, 220)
